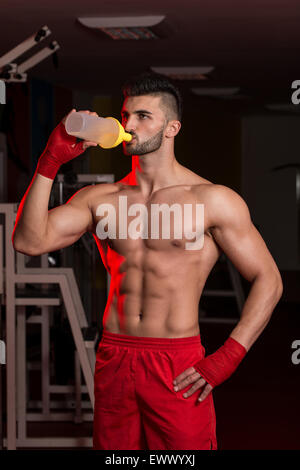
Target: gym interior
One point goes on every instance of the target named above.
(236, 65)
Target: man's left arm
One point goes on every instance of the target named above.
(236, 235)
(232, 228)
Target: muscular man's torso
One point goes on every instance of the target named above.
(156, 284)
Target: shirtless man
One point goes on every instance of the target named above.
(151, 351)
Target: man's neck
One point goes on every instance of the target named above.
(154, 172)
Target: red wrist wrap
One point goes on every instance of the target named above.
(218, 366)
(58, 151)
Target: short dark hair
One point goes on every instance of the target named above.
(150, 83)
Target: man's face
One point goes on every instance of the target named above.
(143, 117)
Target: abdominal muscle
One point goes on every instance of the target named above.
(156, 295)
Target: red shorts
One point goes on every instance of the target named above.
(136, 406)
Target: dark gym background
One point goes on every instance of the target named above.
(238, 140)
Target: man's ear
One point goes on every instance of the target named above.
(172, 129)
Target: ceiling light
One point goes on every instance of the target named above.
(184, 73)
(121, 22)
(285, 107)
(220, 92)
(130, 33)
(126, 27)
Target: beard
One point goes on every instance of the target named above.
(150, 145)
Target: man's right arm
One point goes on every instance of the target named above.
(38, 230)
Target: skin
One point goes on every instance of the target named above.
(145, 299)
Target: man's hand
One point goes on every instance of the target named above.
(188, 377)
(61, 148)
(86, 143)
(212, 370)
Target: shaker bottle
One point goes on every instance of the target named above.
(107, 132)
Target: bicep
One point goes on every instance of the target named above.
(66, 224)
(240, 240)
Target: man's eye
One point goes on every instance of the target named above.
(142, 116)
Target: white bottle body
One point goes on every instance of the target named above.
(97, 129)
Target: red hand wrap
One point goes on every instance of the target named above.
(59, 150)
(218, 366)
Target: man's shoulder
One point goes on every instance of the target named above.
(205, 189)
(216, 192)
(223, 203)
(190, 178)
(89, 194)
(106, 188)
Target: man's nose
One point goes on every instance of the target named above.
(130, 125)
